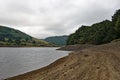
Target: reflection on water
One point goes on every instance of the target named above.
(15, 61)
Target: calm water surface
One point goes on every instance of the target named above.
(15, 61)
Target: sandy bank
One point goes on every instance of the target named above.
(95, 63)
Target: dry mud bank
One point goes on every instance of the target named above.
(96, 63)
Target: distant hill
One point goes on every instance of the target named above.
(57, 40)
(13, 37)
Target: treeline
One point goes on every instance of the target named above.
(12, 37)
(57, 40)
(99, 33)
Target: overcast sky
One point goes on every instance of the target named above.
(43, 18)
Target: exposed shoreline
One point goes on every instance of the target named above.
(76, 47)
(55, 63)
(95, 63)
(28, 46)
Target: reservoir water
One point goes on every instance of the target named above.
(15, 61)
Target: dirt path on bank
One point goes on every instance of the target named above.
(97, 63)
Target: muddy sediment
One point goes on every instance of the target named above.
(76, 47)
(95, 63)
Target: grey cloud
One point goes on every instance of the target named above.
(42, 18)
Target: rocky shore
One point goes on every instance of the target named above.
(94, 63)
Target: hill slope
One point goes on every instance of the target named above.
(13, 37)
(98, 33)
(57, 40)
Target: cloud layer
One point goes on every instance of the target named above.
(43, 18)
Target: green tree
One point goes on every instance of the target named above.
(2, 38)
(34, 42)
(117, 26)
(115, 17)
(116, 22)
(10, 40)
(18, 40)
(98, 33)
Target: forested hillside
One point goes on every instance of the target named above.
(98, 33)
(57, 40)
(13, 37)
